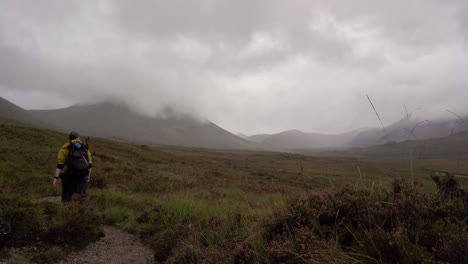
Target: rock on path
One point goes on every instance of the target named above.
(115, 247)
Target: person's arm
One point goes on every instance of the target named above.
(61, 156)
(56, 177)
(90, 162)
(88, 178)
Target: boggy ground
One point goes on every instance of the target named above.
(198, 206)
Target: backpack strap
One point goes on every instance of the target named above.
(85, 160)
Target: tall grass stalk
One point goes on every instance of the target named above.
(377, 113)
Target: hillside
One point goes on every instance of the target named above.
(114, 121)
(403, 130)
(453, 147)
(12, 113)
(409, 129)
(258, 138)
(200, 206)
(295, 140)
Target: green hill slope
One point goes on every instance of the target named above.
(454, 147)
(297, 140)
(209, 206)
(114, 121)
(409, 129)
(12, 113)
(451, 147)
(403, 130)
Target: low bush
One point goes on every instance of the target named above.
(447, 185)
(74, 225)
(44, 229)
(21, 221)
(400, 226)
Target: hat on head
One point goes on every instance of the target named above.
(73, 135)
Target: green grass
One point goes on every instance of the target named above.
(196, 205)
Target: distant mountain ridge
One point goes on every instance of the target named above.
(116, 121)
(405, 129)
(454, 147)
(298, 140)
(409, 129)
(9, 112)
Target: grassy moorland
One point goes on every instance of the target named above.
(206, 206)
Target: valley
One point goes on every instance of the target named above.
(205, 201)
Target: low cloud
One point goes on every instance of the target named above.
(249, 66)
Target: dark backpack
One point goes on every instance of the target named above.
(77, 159)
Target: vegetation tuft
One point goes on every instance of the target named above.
(21, 221)
(400, 226)
(45, 225)
(70, 222)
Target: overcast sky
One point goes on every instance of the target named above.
(251, 66)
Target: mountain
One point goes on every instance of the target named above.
(403, 130)
(298, 140)
(242, 135)
(409, 129)
(453, 147)
(258, 138)
(115, 121)
(12, 113)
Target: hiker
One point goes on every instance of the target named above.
(74, 166)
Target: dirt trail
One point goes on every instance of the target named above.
(116, 246)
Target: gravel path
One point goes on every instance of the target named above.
(115, 247)
(53, 199)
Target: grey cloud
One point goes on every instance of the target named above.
(250, 66)
(231, 25)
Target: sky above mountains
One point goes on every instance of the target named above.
(258, 66)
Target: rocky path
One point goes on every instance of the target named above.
(115, 247)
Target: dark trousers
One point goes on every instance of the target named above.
(73, 184)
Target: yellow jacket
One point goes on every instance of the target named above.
(63, 154)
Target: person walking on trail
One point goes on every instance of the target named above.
(74, 164)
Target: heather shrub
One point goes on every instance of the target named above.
(165, 241)
(73, 225)
(98, 181)
(20, 221)
(447, 185)
(404, 225)
(46, 226)
(162, 229)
